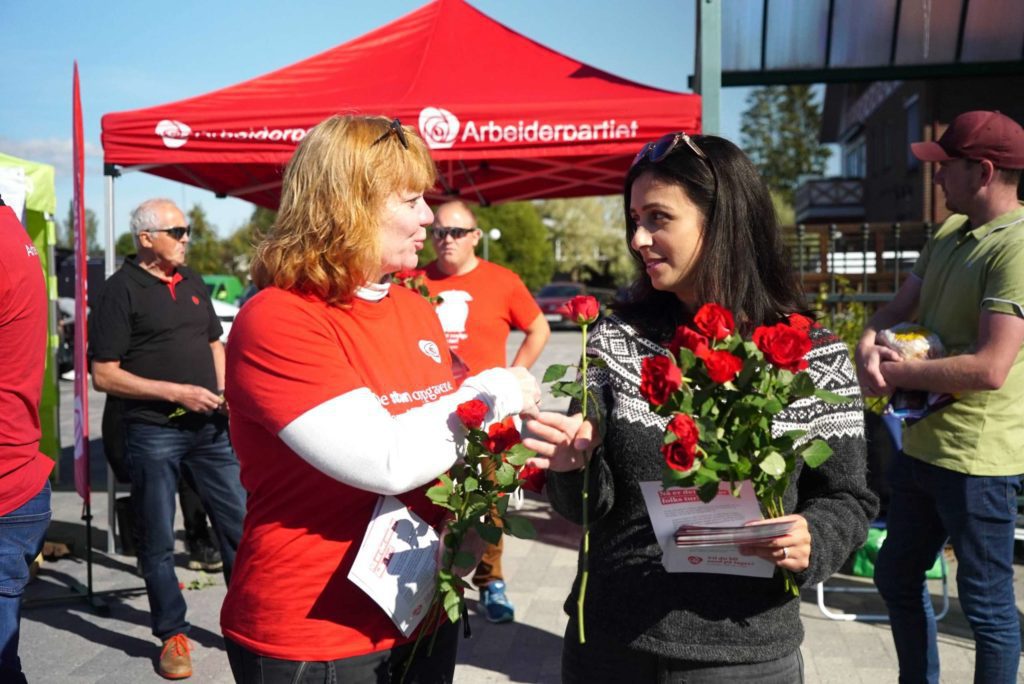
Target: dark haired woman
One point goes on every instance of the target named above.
(701, 228)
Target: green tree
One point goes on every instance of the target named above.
(125, 245)
(524, 245)
(206, 254)
(589, 239)
(779, 131)
(241, 245)
(66, 230)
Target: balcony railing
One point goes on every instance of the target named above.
(830, 199)
(863, 262)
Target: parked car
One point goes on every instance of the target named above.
(224, 288)
(226, 313)
(553, 297)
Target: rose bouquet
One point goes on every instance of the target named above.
(721, 393)
(470, 499)
(582, 310)
(412, 278)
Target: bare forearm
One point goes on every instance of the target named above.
(537, 334)
(121, 383)
(962, 373)
(529, 350)
(217, 349)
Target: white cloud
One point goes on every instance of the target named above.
(54, 151)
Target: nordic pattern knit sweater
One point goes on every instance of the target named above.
(705, 617)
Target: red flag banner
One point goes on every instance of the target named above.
(81, 300)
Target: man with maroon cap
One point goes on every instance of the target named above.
(959, 472)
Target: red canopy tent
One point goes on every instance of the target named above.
(505, 117)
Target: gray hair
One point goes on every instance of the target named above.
(146, 216)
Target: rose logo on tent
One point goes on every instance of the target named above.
(173, 133)
(438, 127)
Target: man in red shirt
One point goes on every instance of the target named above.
(24, 471)
(480, 303)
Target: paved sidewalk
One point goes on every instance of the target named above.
(70, 642)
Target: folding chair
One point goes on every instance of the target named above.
(894, 432)
(878, 617)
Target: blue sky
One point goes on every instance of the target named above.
(134, 54)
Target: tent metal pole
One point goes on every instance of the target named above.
(709, 63)
(108, 269)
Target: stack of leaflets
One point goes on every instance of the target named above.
(699, 535)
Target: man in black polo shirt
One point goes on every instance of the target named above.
(155, 343)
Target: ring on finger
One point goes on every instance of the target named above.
(785, 553)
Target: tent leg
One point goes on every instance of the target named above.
(108, 269)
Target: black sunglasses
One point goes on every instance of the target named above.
(664, 146)
(394, 127)
(177, 232)
(457, 233)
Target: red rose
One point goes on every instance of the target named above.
(691, 339)
(501, 436)
(680, 454)
(471, 413)
(407, 273)
(800, 322)
(659, 378)
(533, 478)
(582, 309)
(714, 321)
(783, 346)
(722, 366)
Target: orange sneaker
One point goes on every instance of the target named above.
(175, 658)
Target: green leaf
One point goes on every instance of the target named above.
(831, 397)
(518, 455)
(452, 604)
(488, 532)
(471, 484)
(555, 371)
(802, 385)
(595, 362)
(773, 405)
(567, 389)
(773, 464)
(816, 453)
(519, 526)
(505, 475)
(439, 495)
(463, 559)
(501, 505)
(708, 491)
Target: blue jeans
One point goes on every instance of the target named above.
(21, 537)
(155, 455)
(977, 514)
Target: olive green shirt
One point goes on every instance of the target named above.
(964, 271)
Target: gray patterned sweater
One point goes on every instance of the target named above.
(705, 617)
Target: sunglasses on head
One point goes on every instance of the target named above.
(664, 146)
(457, 233)
(177, 232)
(394, 127)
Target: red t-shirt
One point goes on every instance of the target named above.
(478, 310)
(290, 596)
(23, 469)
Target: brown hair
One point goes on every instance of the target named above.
(325, 239)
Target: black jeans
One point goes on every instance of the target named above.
(384, 667)
(603, 659)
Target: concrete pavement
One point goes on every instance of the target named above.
(70, 642)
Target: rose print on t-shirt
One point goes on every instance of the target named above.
(453, 312)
